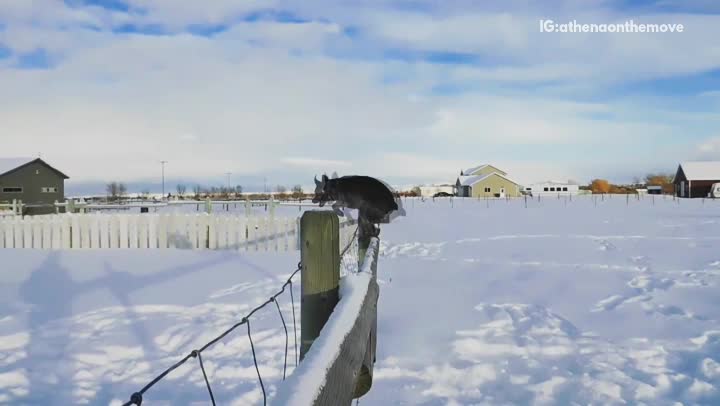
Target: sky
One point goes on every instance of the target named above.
(411, 92)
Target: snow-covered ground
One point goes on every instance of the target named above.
(481, 302)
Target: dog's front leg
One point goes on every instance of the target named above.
(338, 209)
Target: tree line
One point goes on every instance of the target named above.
(118, 191)
(653, 179)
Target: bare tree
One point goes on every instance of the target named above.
(122, 190)
(297, 192)
(225, 192)
(111, 190)
(145, 194)
(659, 179)
(238, 191)
(181, 190)
(280, 189)
(197, 189)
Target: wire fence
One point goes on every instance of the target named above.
(137, 397)
(347, 261)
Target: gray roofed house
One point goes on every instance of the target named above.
(32, 181)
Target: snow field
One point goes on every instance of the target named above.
(481, 302)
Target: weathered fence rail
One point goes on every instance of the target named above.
(339, 319)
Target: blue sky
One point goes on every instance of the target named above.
(407, 91)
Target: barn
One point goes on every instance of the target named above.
(33, 181)
(553, 188)
(695, 179)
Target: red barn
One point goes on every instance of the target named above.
(695, 179)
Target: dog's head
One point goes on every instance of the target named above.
(322, 194)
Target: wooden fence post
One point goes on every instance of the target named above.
(320, 274)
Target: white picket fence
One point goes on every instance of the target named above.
(186, 231)
(154, 231)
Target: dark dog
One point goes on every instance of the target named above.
(373, 199)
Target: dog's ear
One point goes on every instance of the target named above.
(317, 182)
(324, 178)
(334, 175)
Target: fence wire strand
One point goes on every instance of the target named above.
(292, 300)
(252, 348)
(349, 262)
(286, 338)
(207, 382)
(350, 243)
(137, 397)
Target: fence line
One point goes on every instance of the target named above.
(149, 231)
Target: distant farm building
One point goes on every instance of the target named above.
(432, 190)
(486, 181)
(33, 181)
(553, 188)
(654, 190)
(695, 179)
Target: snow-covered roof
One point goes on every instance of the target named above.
(701, 170)
(554, 182)
(469, 171)
(8, 164)
(471, 180)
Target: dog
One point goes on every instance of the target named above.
(373, 199)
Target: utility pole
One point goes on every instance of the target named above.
(163, 178)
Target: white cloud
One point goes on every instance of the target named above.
(709, 149)
(117, 104)
(315, 163)
(177, 14)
